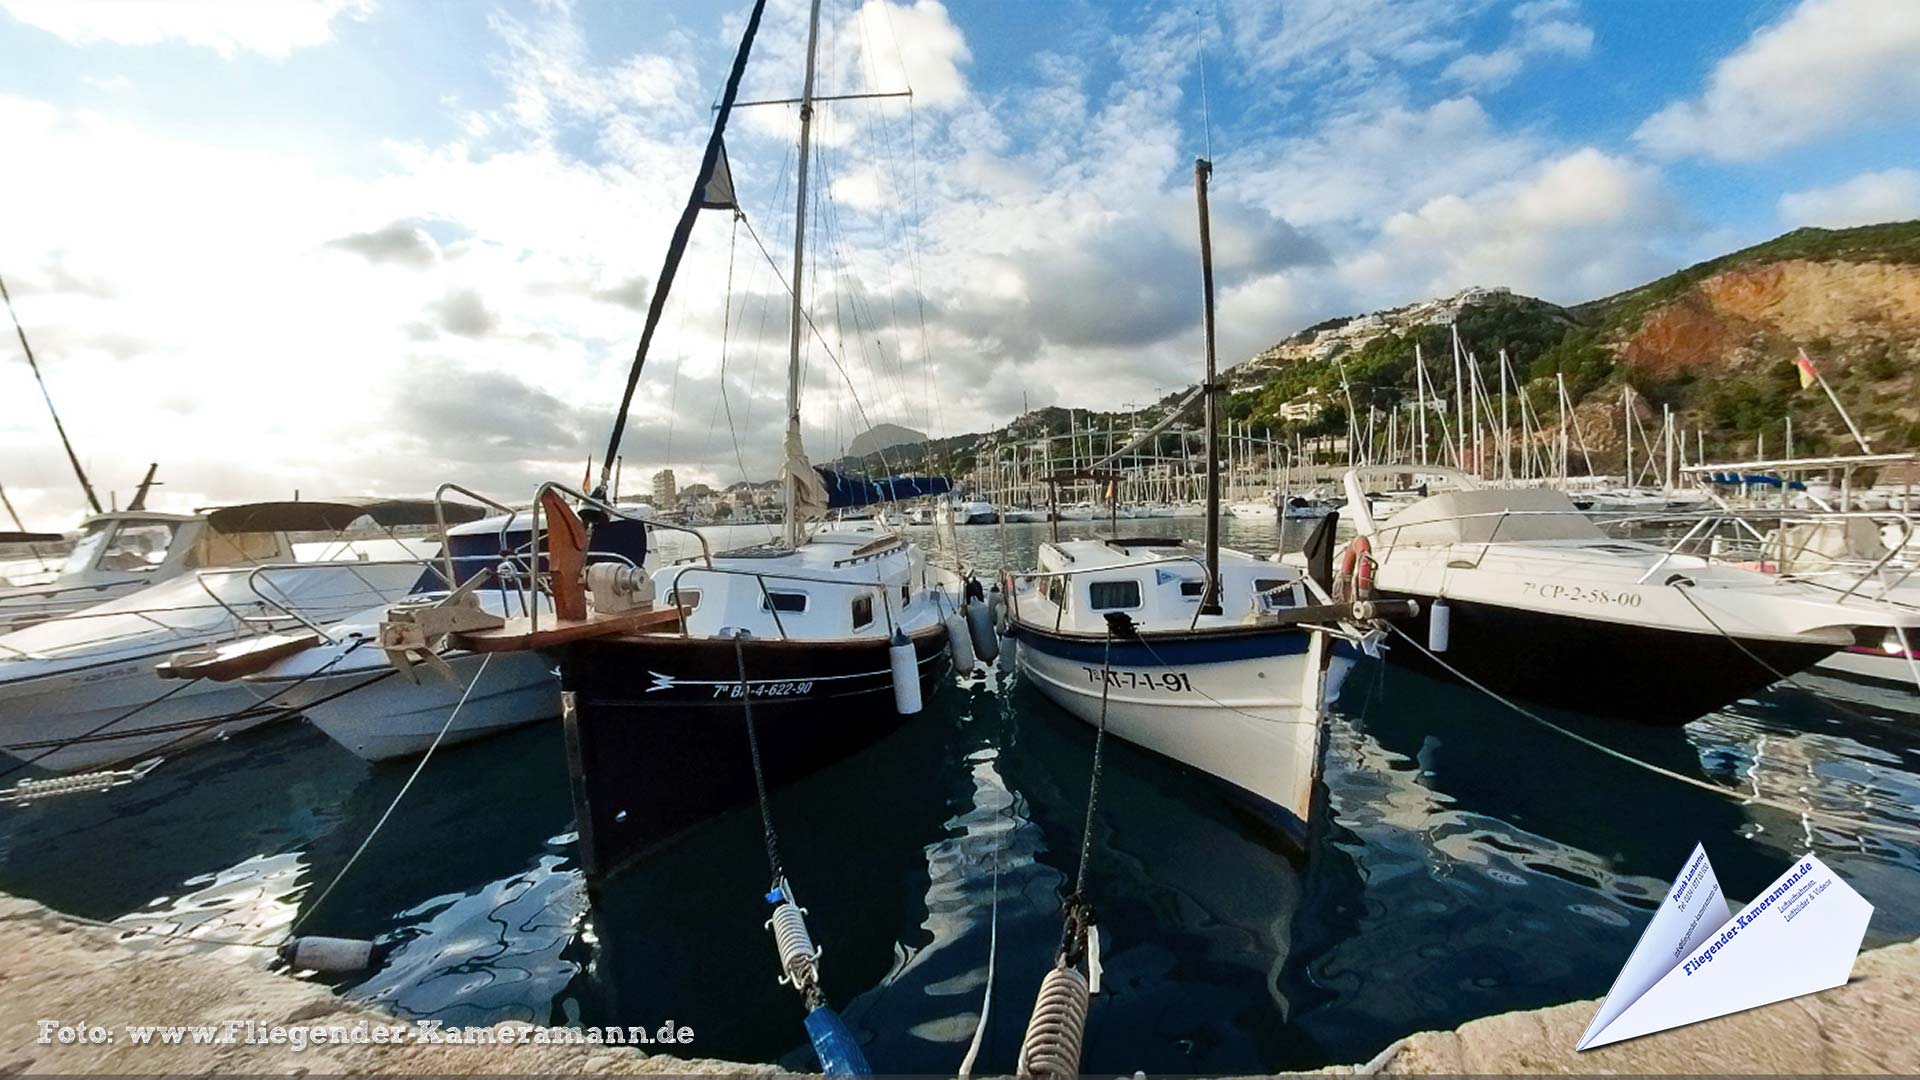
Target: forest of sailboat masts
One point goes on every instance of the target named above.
(1471, 422)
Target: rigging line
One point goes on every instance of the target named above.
(1724, 792)
(919, 288)
(809, 320)
(726, 325)
(485, 659)
(92, 499)
(846, 284)
(682, 231)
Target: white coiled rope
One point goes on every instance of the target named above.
(1058, 1028)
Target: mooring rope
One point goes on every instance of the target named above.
(1727, 793)
(759, 775)
(485, 659)
(1680, 585)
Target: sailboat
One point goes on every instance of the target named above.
(819, 633)
(1211, 657)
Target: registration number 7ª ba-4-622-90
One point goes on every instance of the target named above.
(1174, 681)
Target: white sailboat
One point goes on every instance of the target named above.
(1205, 655)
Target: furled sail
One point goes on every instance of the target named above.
(809, 493)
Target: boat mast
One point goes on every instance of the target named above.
(790, 484)
(1210, 603)
(1420, 389)
(85, 486)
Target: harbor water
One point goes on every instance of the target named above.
(1470, 861)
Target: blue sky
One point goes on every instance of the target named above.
(346, 244)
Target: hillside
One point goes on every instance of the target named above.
(1715, 342)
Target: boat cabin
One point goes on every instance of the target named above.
(850, 580)
(1157, 582)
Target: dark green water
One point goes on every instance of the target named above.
(1470, 863)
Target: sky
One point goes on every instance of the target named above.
(367, 246)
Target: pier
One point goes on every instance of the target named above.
(67, 970)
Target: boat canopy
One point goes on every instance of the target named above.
(1490, 515)
(846, 491)
(333, 515)
(1731, 479)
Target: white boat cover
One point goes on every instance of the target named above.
(1476, 517)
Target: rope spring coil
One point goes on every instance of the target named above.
(798, 955)
(1058, 1029)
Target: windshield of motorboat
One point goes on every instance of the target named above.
(1485, 515)
(139, 546)
(85, 549)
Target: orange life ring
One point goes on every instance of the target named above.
(1354, 581)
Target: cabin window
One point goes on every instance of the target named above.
(1113, 595)
(784, 601)
(1056, 591)
(904, 597)
(1192, 588)
(85, 549)
(138, 546)
(684, 598)
(862, 611)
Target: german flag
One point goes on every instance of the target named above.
(1808, 376)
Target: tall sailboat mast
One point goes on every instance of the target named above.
(1210, 603)
(790, 485)
(86, 486)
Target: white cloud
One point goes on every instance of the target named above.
(1365, 162)
(1574, 227)
(1828, 67)
(270, 27)
(912, 45)
(1540, 28)
(1312, 40)
(1867, 199)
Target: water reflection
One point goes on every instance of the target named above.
(1469, 862)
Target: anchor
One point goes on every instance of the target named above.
(414, 632)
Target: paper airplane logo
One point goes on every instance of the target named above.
(1698, 960)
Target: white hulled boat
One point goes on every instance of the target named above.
(1540, 604)
(82, 691)
(1208, 656)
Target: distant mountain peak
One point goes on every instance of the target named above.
(883, 437)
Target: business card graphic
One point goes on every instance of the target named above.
(1698, 959)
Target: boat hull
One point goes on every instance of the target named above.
(52, 720)
(1243, 706)
(656, 732)
(394, 718)
(1872, 667)
(1620, 671)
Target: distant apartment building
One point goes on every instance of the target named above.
(666, 495)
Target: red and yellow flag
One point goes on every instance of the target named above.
(1808, 376)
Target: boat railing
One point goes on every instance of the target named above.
(1703, 525)
(584, 500)
(1060, 610)
(259, 580)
